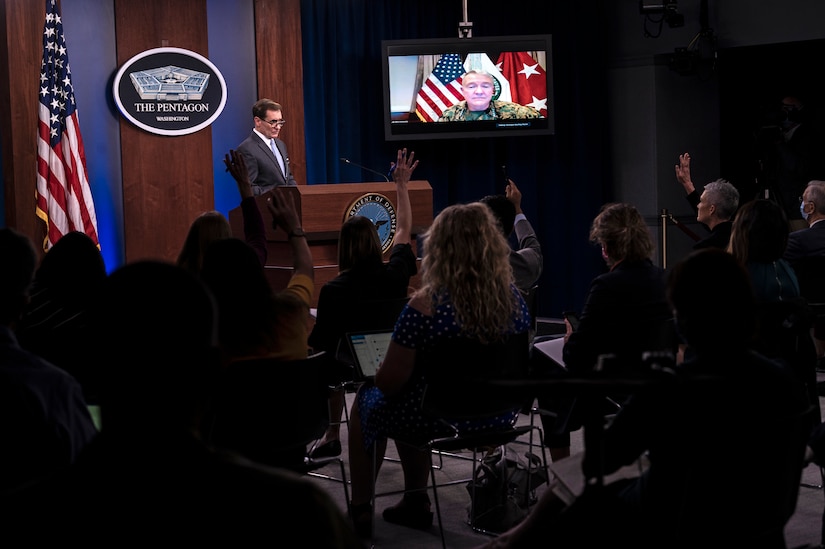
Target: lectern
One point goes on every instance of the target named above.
(322, 209)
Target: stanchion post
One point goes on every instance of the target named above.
(663, 217)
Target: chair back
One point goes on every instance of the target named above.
(810, 272)
(459, 370)
(783, 332)
(531, 298)
(655, 336)
(269, 410)
(378, 314)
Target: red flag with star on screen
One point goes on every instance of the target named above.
(64, 198)
(528, 79)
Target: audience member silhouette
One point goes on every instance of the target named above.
(213, 225)
(625, 313)
(254, 320)
(55, 323)
(257, 324)
(147, 475)
(685, 497)
(466, 264)
(759, 236)
(806, 253)
(784, 320)
(527, 260)
(715, 207)
(809, 241)
(44, 421)
(363, 277)
(625, 307)
(246, 303)
(205, 229)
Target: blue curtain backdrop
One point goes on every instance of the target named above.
(564, 178)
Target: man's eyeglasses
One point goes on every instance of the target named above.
(802, 199)
(274, 122)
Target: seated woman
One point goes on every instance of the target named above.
(625, 309)
(758, 240)
(362, 276)
(466, 290)
(625, 314)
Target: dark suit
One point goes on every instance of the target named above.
(625, 313)
(264, 171)
(718, 238)
(527, 261)
(806, 242)
(622, 314)
(806, 254)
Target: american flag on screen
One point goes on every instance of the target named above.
(528, 80)
(441, 90)
(64, 199)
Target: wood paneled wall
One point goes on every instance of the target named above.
(281, 73)
(21, 50)
(167, 181)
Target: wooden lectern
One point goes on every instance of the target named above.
(322, 209)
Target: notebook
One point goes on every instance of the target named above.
(368, 350)
(553, 349)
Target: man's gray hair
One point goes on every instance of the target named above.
(816, 194)
(724, 196)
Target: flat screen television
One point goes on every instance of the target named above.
(422, 79)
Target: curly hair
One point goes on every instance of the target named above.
(467, 262)
(759, 232)
(358, 243)
(621, 229)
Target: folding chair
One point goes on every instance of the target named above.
(459, 373)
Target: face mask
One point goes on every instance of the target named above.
(802, 211)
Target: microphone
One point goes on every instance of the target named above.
(348, 161)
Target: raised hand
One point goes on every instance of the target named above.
(281, 205)
(404, 166)
(236, 165)
(683, 173)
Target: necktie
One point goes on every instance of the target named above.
(277, 154)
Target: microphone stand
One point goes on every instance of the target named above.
(348, 161)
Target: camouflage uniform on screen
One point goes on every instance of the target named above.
(498, 110)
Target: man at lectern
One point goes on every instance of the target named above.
(266, 156)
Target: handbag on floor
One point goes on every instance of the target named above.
(505, 488)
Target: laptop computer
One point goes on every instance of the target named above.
(367, 350)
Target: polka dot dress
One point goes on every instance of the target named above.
(400, 416)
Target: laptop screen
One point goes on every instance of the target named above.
(368, 350)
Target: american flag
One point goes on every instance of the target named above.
(528, 79)
(64, 199)
(441, 90)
